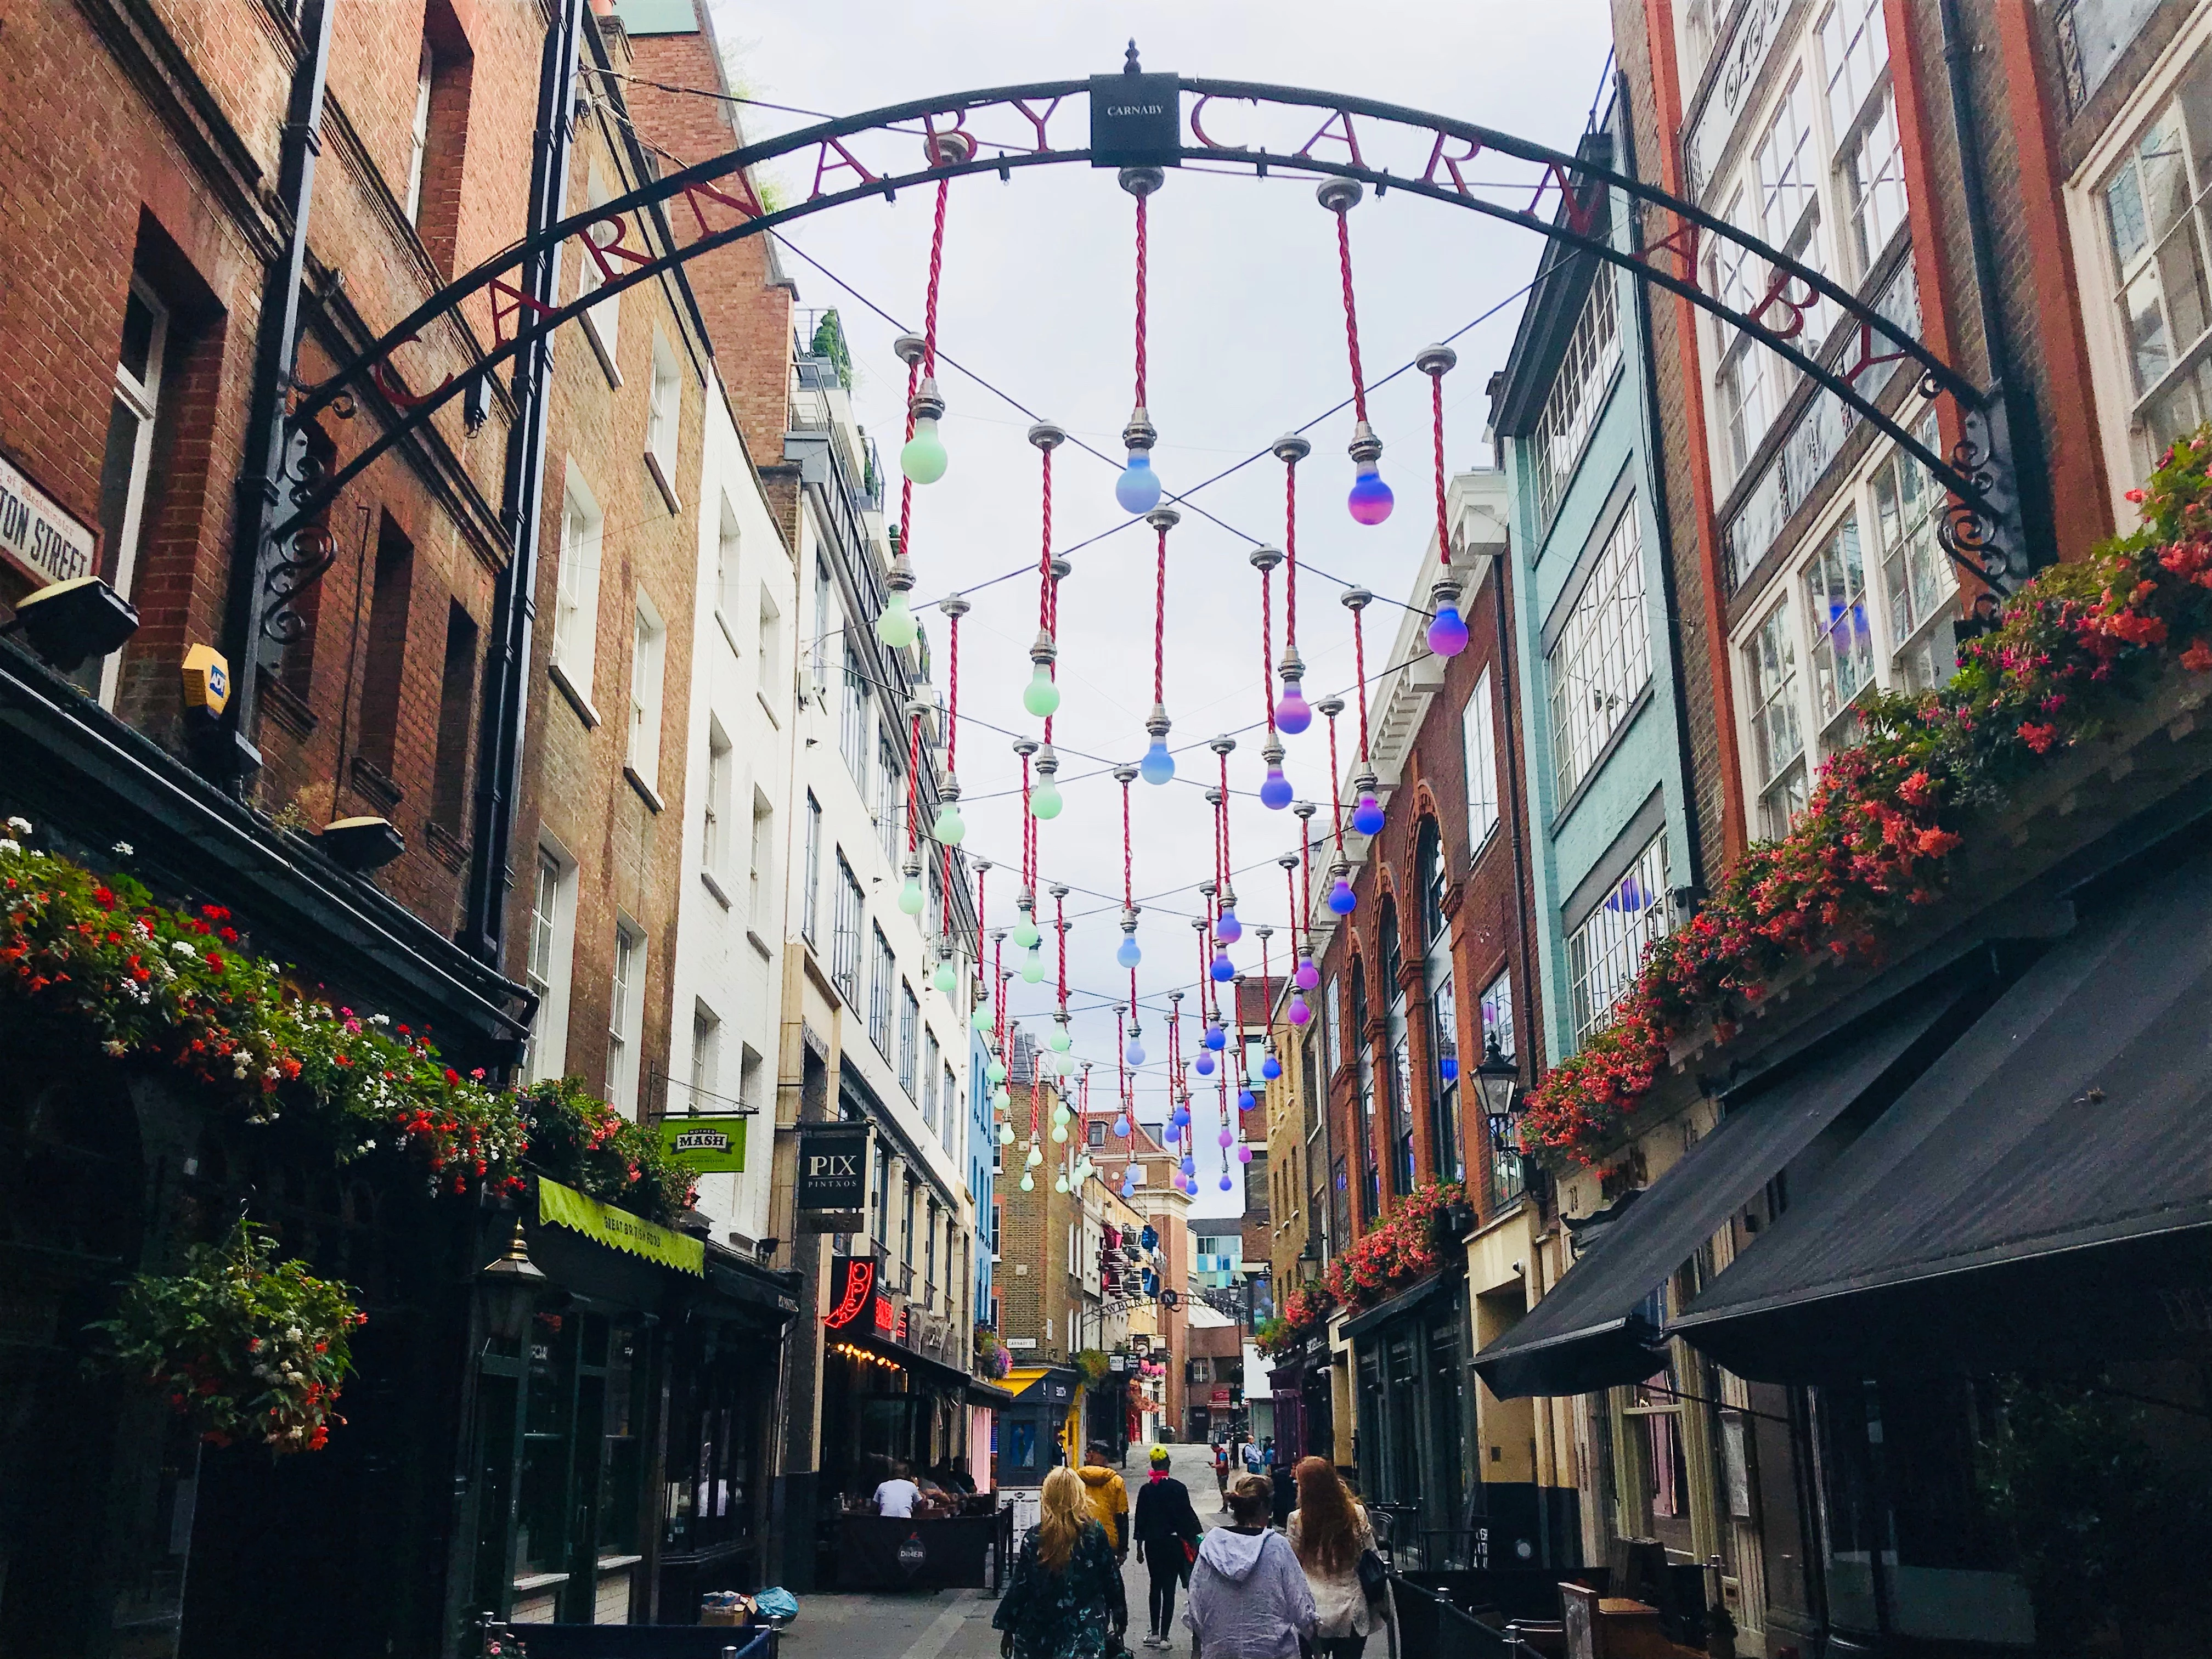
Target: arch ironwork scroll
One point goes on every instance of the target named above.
(1386, 147)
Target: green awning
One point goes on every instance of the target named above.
(618, 1230)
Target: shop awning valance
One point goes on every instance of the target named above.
(618, 1230)
(1592, 1330)
(2042, 1194)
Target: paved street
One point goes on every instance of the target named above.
(957, 1623)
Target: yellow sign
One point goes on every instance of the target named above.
(619, 1230)
(207, 679)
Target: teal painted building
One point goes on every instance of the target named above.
(1603, 734)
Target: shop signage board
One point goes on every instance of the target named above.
(833, 1172)
(706, 1145)
(37, 532)
(560, 1207)
(852, 1289)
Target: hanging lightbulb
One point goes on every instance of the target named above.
(1204, 1065)
(1223, 970)
(943, 978)
(1217, 1038)
(1447, 628)
(1299, 1013)
(1270, 1067)
(1006, 1134)
(1157, 765)
(1244, 1154)
(1189, 1164)
(1121, 1127)
(1138, 489)
(980, 1020)
(1227, 1137)
(1227, 1185)
(1370, 500)
(1060, 1182)
(1307, 976)
(1001, 1099)
(1060, 1042)
(1367, 816)
(910, 899)
(1044, 799)
(895, 624)
(1035, 1155)
(950, 828)
(1135, 1051)
(1293, 714)
(1028, 1184)
(1226, 927)
(1042, 695)
(1128, 953)
(1033, 967)
(1341, 899)
(996, 1070)
(1246, 1100)
(1059, 1135)
(1025, 929)
(923, 458)
(1275, 789)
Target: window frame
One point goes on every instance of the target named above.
(625, 1003)
(1616, 665)
(1576, 400)
(549, 961)
(140, 397)
(576, 589)
(664, 419)
(1621, 955)
(1478, 725)
(649, 656)
(846, 926)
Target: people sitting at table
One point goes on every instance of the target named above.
(898, 1495)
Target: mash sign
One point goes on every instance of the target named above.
(833, 1167)
(706, 1145)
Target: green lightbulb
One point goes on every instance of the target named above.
(1041, 696)
(895, 625)
(1044, 799)
(943, 978)
(1060, 1040)
(981, 1020)
(1036, 1155)
(996, 1070)
(1059, 1132)
(950, 828)
(1061, 1184)
(1001, 1099)
(1028, 1185)
(1033, 967)
(923, 458)
(1026, 934)
(1006, 1134)
(910, 899)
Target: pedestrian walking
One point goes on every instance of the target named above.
(1248, 1596)
(1329, 1532)
(1065, 1599)
(1107, 1495)
(1221, 1474)
(1167, 1534)
(1285, 1494)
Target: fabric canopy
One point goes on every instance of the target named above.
(1592, 1331)
(2043, 1194)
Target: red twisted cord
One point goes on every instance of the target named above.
(1128, 890)
(1335, 798)
(1047, 590)
(1444, 532)
(1160, 624)
(1305, 887)
(914, 783)
(1289, 557)
(1141, 301)
(1351, 316)
(906, 484)
(1267, 645)
(1059, 927)
(952, 715)
(1029, 830)
(936, 272)
(1227, 862)
(1359, 667)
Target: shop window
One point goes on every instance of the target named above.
(1606, 947)
(456, 706)
(1478, 740)
(1778, 742)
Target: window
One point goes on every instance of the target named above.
(853, 725)
(727, 545)
(1478, 740)
(952, 1098)
(601, 321)
(384, 668)
(879, 995)
(2153, 202)
(576, 600)
(622, 1003)
(929, 1249)
(752, 1079)
(1577, 394)
(128, 461)
(1916, 579)
(1095, 1133)
(1872, 167)
(1400, 1077)
(931, 1059)
(418, 135)
(2091, 35)
(645, 650)
(767, 660)
(1855, 46)
(891, 792)
(1777, 744)
(1444, 1126)
(1340, 1206)
(909, 1041)
(906, 1229)
(457, 685)
(1497, 1007)
(825, 614)
(664, 418)
(883, 1204)
(1603, 659)
(811, 909)
(1843, 649)
(1750, 378)
(1604, 952)
(761, 873)
(994, 1227)
(714, 843)
(845, 946)
(706, 1057)
(1369, 1159)
(546, 967)
(1332, 1034)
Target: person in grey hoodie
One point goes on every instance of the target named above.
(1248, 1596)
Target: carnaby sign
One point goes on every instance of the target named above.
(833, 1168)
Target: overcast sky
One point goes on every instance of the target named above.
(1246, 341)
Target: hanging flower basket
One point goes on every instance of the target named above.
(251, 1349)
(993, 1359)
(1094, 1366)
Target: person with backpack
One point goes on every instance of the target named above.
(1330, 1535)
(1248, 1597)
(1167, 1533)
(1107, 1495)
(1065, 1599)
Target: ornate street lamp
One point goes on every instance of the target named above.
(511, 1285)
(1498, 1081)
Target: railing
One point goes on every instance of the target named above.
(1429, 1624)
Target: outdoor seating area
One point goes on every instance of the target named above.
(1639, 1606)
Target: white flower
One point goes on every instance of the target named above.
(20, 826)
(183, 948)
(8, 846)
(122, 849)
(379, 1019)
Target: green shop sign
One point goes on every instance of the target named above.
(706, 1145)
(618, 1230)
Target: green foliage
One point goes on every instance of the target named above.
(1094, 1366)
(830, 342)
(586, 1143)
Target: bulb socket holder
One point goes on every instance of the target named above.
(1141, 182)
(950, 149)
(1293, 448)
(1224, 745)
(1272, 752)
(1365, 448)
(910, 349)
(1164, 518)
(926, 405)
(1047, 436)
(1446, 591)
(1265, 559)
(1042, 651)
(1157, 724)
(954, 605)
(1141, 433)
(1436, 360)
(1329, 708)
(1338, 195)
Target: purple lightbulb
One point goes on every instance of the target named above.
(1227, 928)
(1300, 1014)
(1447, 632)
(1370, 500)
(1341, 899)
(1275, 793)
(1189, 1164)
(1205, 1064)
(1244, 1154)
(1307, 976)
(1227, 1137)
(1293, 714)
(1367, 817)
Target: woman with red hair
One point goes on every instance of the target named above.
(1329, 1531)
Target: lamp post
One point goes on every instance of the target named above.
(1497, 1083)
(511, 1284)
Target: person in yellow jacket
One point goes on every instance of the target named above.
(1108, 1498)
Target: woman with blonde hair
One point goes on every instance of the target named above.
(1329, 1532)
(1064, 1600)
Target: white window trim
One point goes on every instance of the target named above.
(602, 322)
(143, 398)
(576, 594)
(663, 420)
(418, 134)
(548, 1050)
(761, 871)
(1478, 727)
(649, 655)
(625, 1005)
(715, 825)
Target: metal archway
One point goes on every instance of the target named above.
(1138, 119)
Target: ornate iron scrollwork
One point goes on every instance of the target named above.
(301, 557)
(1975, 533)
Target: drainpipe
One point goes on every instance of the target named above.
(514, 609)
(263, 479)
(2015, 435)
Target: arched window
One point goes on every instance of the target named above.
(1364, 1052)
(1443, 1010)
(1402, 1059)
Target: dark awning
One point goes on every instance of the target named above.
(1592, 1330)
(1397, 1306)
(2042, 1194)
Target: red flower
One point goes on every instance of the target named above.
(2197, 659)
(2038, 738)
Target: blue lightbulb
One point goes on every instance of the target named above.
(1270, 1068)
(1245, 1102)
(1370, 500)
(1223, 970)
(1121, 1128)
(1447, 1067)
(1128, 956)
(1275, 793)
(1189, 1164)
(1293, 714)
(1226, 927)
(1157, 765)
(1446, 632)
(1367, 817)
(1341, 898)
(1136, 1052)
(1138, 490)
(1179, 1117)
(1216, 1038)
(1227, 1185)
(1205, 1065)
